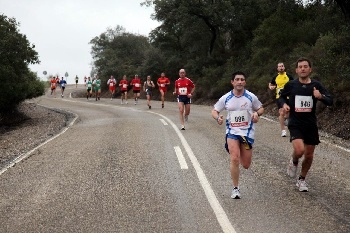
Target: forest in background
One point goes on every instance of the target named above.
(213, 38)
(210, 39)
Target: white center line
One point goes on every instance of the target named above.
(180, 157)
(219, 212)
(163, 121)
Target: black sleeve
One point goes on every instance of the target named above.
(273, 81)
(290, 77)
(327, 99)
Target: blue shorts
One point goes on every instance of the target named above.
(246, 141)
(184, 99)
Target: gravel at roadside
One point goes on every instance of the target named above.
(42, 123)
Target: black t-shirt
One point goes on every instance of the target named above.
(302, 102)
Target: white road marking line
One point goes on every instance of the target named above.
(24, 156)
(332, 144)
(219, 212)
(267, 119)
(180, 157)
(163, 121)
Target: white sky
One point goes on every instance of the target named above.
(62, 29)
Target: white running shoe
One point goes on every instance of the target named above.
(301, 184)
(182, 127)
(284, 133)
(292, 169)
(236, 194)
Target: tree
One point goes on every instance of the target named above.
(16, 53)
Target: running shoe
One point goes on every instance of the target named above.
(186, 118)
(126, 102)
(236, 194)
(149, 107)
(162, 105)
(284, 133)
(182, 127)
(301, 184)
(292, 169)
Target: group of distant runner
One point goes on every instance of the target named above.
(295, 98)
(57, 82)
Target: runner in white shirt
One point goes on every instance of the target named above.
(243, 111)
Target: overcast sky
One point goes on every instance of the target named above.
(62, 29)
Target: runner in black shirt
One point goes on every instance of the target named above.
(303, 94)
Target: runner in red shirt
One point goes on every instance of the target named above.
(123, 84)
(136, 83)
(111, 84)
(53, 84)
(57, 81)
(184, 89)
(163, 83)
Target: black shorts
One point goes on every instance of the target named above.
(309, 134)
(136, 91)
(76, 81)
(184, 99)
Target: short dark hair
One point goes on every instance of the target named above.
(238, 73)
(303, 59)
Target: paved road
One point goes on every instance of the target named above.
(124, 168)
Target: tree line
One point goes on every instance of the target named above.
(210, 39)
(213, 38)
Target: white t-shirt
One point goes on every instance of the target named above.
(239, 110)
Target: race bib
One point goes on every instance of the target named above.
(162, 85)
(183, 90)
(111, 84)
(303, 103)
(239, 118)
(137, 84)
(125, 85)
(89, 84)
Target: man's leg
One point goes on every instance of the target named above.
(234, 149)
(181, 111)
(308, 158)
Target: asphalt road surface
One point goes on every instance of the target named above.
(125, 168)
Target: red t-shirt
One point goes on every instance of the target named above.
(184, 86)
(136, 82)
(53, 83)
(163, 81)
(123, 85)
(111, 84)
